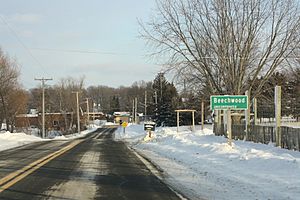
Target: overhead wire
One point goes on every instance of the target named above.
(79, 51)
(22, 44)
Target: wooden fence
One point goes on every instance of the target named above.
(290, 137)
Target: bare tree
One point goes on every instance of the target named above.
(16, 104)
(62, 99)
(224, 46)
(8, 83)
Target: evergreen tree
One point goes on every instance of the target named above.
(115, 104)
(167, 100)
(294, 88)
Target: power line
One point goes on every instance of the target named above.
(20, 41)
(80, 51)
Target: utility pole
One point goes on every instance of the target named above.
(136, 110)
(133, 111)
(202, 115)
(88, 110)
(145, 104)
(78, 117)
(43, 102)
(255, 111)
(155, 96)
(160, 81)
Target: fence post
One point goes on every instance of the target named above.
(278, 115)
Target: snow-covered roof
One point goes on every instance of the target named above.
(123, 114)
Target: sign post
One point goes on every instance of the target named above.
(124, 125)
(247, 118)
(228, 103)
(229, 132)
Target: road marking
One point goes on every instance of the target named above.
(18, 175)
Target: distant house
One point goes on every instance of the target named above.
(55, 121)
(97, 116)
(24, 121)
(121, 117)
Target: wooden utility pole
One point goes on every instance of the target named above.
(145, 104)
(43, 102)
(133, 112)
(202, 115)
(278, 115)
(78, 116)
(88, 110)
(255, 111)
(136, 113)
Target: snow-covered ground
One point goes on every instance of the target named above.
(201, 165)
(10, 140)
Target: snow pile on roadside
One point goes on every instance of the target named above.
(132, 133)
(205, 166)
(90, 129)
(10, 140)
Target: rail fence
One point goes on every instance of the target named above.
(290, 137)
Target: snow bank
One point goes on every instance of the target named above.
(205, 166)
(10, 140)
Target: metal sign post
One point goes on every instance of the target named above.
(124, 125)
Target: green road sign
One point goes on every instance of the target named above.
(233, 102)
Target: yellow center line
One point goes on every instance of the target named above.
(18, 175)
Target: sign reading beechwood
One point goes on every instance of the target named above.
(233, 102)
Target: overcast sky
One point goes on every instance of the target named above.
(97, 39)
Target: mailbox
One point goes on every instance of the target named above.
(149, 126)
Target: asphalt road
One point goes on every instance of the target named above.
(94, 167)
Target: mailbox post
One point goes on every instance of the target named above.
(149, 126)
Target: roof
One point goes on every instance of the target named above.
(122, 114)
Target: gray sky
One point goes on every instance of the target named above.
(97, 39)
